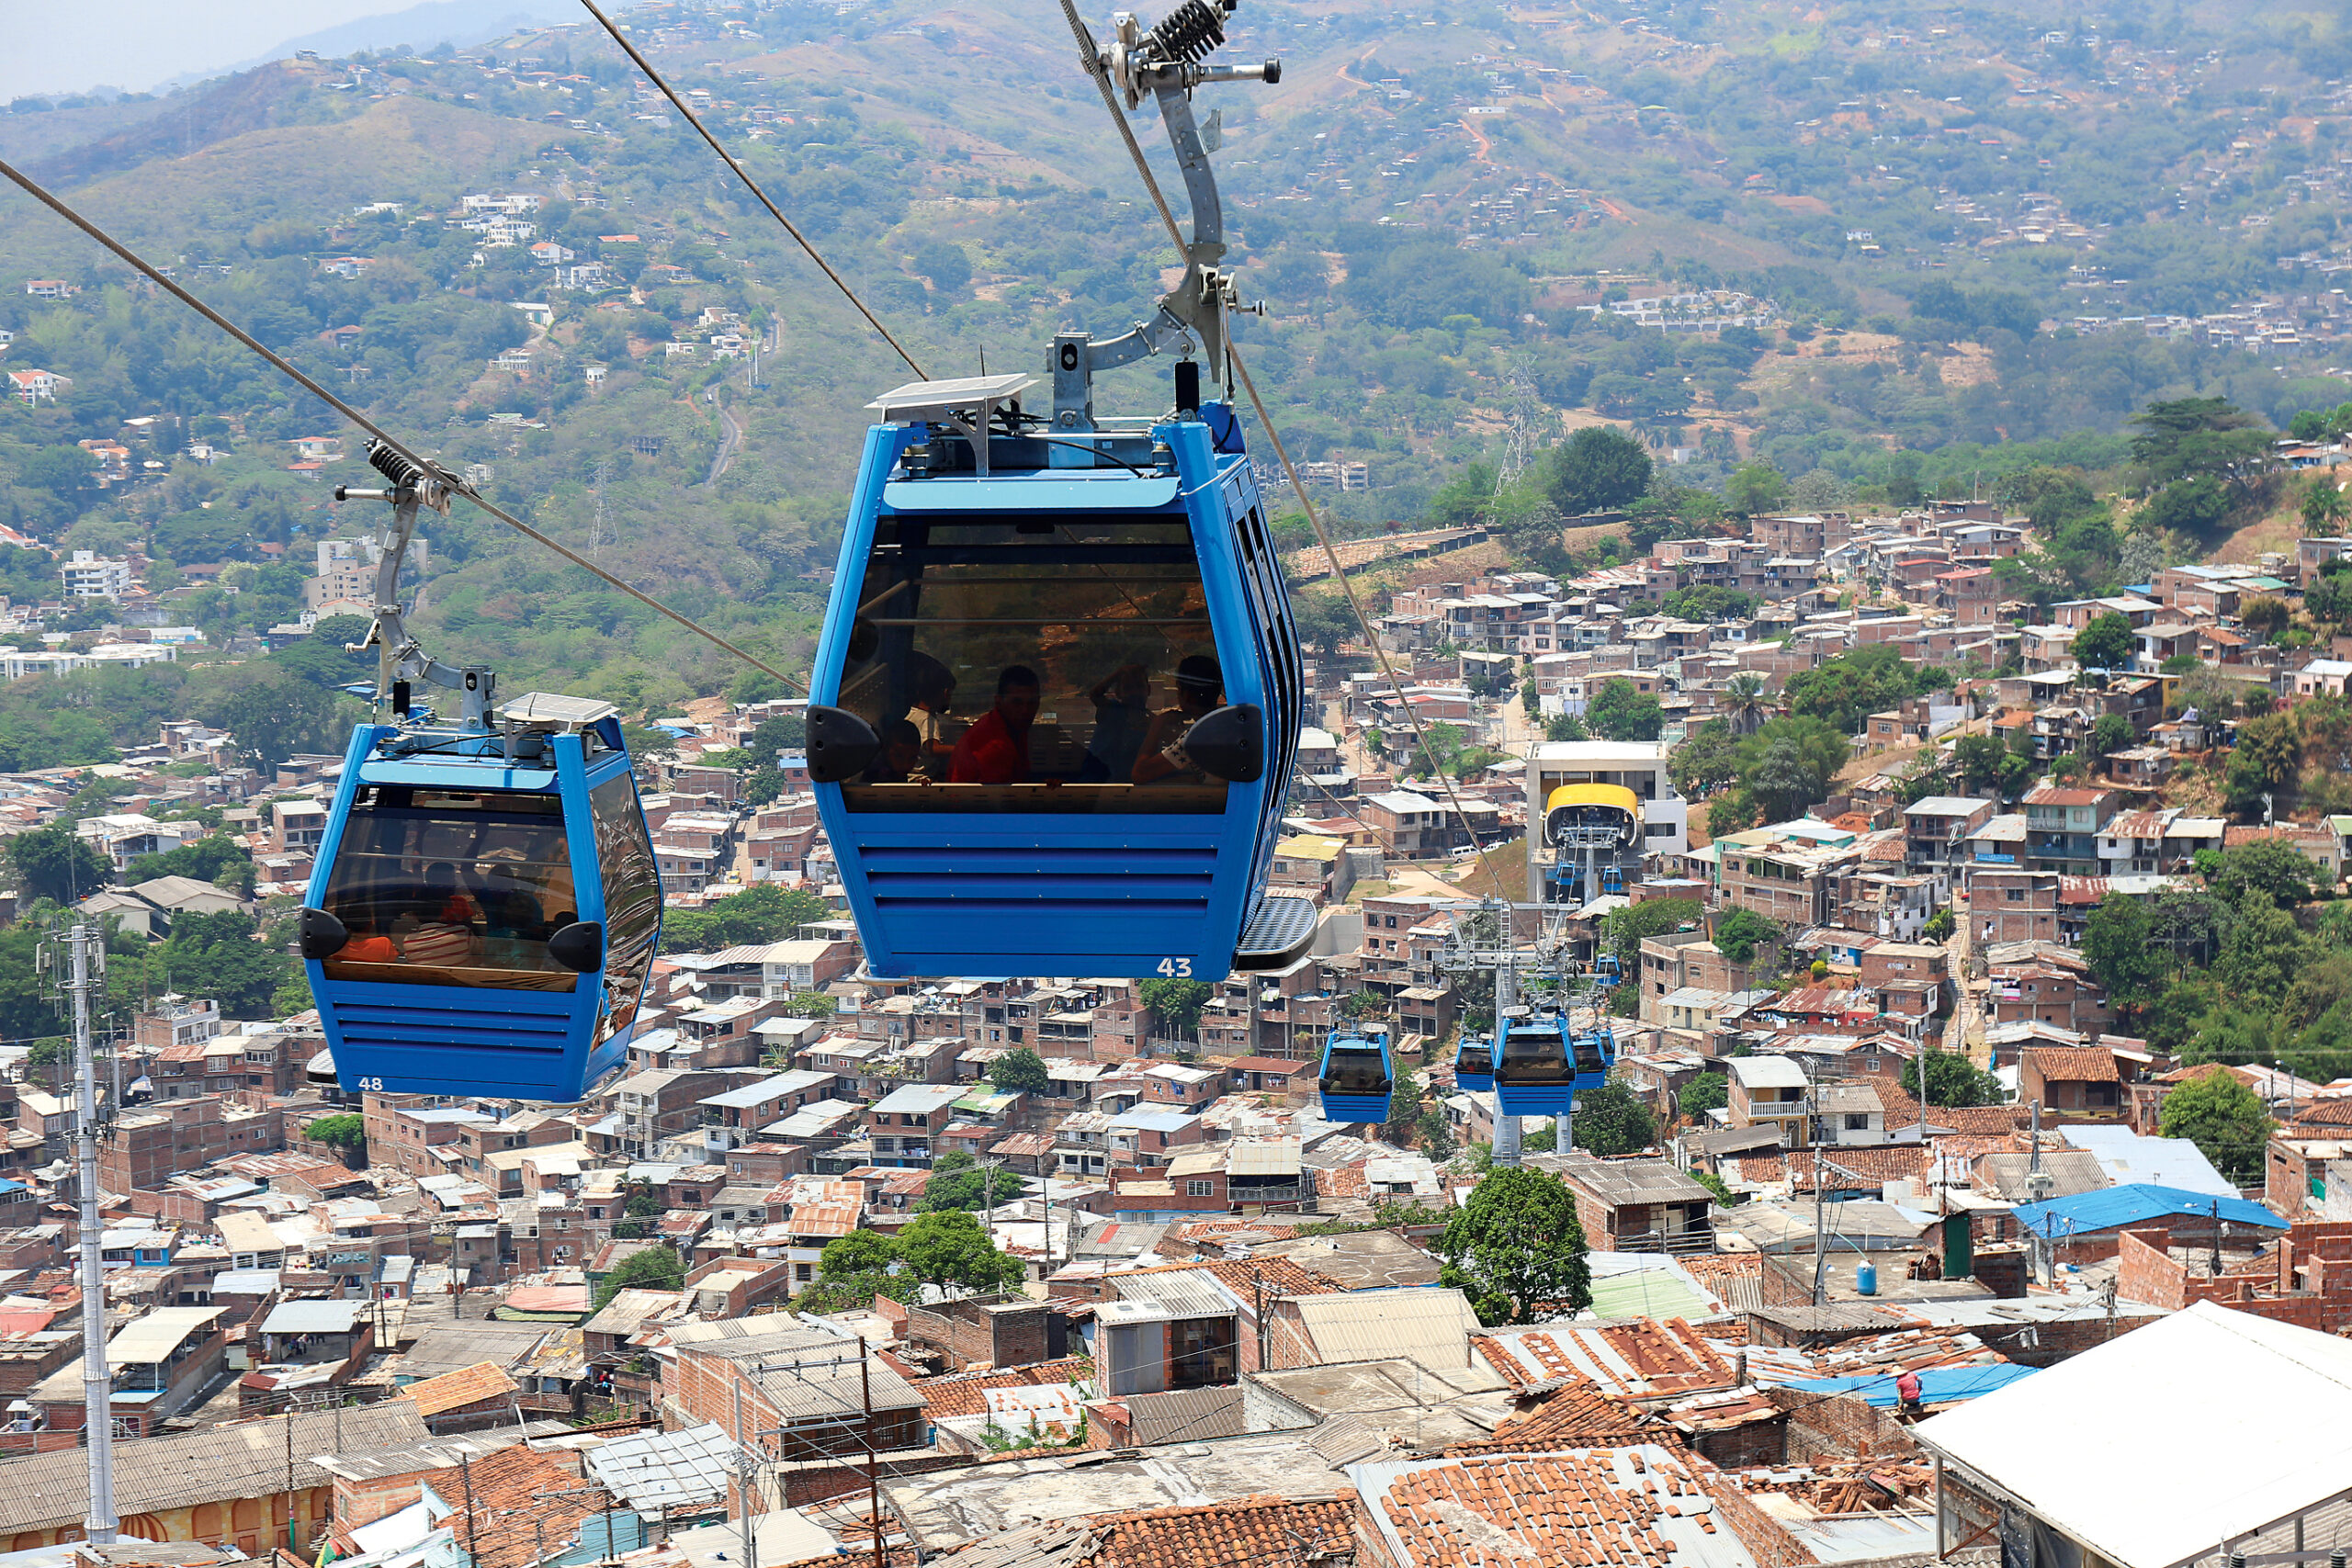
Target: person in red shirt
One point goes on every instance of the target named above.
(1906, 1389)
(995, 750)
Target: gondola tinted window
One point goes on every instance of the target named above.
(632, 894)
(1535, 1055)
(452, 888)
(1355, 1072)
(1033, 664)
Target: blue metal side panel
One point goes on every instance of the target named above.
(459, 1039)
(1116, 897)
(1344, 1108)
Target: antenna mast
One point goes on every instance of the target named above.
(82, 947)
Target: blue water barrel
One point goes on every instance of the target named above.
(1866, 1278)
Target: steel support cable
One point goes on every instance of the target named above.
(1091, 56)
(645, 65)
(457, 487)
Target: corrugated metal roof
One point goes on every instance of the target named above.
(156, 1335)
(212, 1465)
(314, 1317)
(2141, 1200)
(1189, 1293)
(1428, 1324)
(1274, 1156)
(652, 1471)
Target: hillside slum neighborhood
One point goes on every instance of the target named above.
(1191, 1321)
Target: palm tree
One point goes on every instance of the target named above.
(1744, 700)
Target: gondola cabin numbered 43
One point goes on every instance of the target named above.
(1056, 704)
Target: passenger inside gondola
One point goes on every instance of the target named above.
(412, 915)
(1200, 687)
(995, 750)
(1093, 613)
(902, 758)
(1532, 1056)
(1355, 1071)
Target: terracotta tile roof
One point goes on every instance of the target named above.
(1024, 1146)
(1716, 1269)
(1240, 1534)
(1345, 1181)
(519, 1512)
(1878, 1163)
(455, 1391)
(1981, 1120)
(2072, 1063)
(1579, 1415)
(966, 1393)
(1244, 1277)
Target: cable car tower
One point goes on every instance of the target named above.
(1552, 1038)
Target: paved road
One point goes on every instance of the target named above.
(729, 443)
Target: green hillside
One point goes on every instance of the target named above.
(1968, 240)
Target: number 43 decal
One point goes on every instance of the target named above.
(1177, 968)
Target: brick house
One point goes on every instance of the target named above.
(2079, 1081)
(795, 1393)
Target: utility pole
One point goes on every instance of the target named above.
(873, 1463)
(84, 951)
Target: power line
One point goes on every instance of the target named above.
(453, 484)
(1090, 58)
(749, 183)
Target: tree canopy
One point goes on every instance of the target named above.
(1951, 1080)
(653, 1269)
(1620, 711)
(1516, 1250)
(1611, 1119)
(1020, 1071)
(2224, 1119)
(1597, 467)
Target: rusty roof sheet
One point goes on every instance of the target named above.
(1644, 1359)
(2072, 1063)
(455, 1391)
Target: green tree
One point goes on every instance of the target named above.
(1176, 1003)
(55, 863)
(1624, 929)
(216, 955)
(346, 1131)
(1940, 925)
(761, 914)
(2325, 506)
(1708, 1091)
(1516, 1249)
(1611, 1119)
(2224, 1119)
(1707, 760)
(2266, 615)
(2261, 951)
(2107, 642)
(1020, 1071)
(1755, 487)
(2119, 943)
(219, 860)
(1845, 691)
(1566, 727)
(1596, 469)
(2204, 438)
(654, 1269)
(951, 1248)
(2271, 866)
(1951, 1080)
(1404, 1107)
(271, 715)
(957, 1181)
(1725, 1196)
(1617, 712)
(2111, 734)
(1739, 933)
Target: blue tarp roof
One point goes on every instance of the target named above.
(1938, 1385)
(2130, 1205)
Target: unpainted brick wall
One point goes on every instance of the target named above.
(1838, 1426)
(1767, 1542)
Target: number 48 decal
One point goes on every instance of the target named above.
(1177, 968)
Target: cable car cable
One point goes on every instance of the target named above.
(456, 486)
(1091, 56)
(751, 184)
